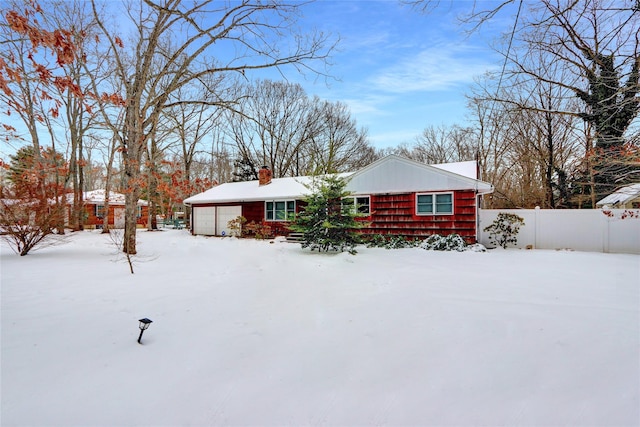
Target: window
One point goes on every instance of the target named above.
(362, 204)
(424, 204)
(139, 212)
(99, 211)
(280, 210)
(434, 204)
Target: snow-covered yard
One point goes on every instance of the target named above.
(256, 333)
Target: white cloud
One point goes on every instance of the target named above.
(386, 139)
(436, 68)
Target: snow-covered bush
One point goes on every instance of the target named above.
(476, 247)
(374, 240)
(400, 242)
(389, 242)
(504, 229)
(452, 242)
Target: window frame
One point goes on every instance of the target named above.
(289, 213)
(355, 203)
(99, 211)
(434, 203)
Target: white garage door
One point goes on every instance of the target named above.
(204, 220)
(226, 214)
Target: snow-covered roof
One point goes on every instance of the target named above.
(621, 196)
(96, 197)
(468, 169)
(251, 191)
(389, 174)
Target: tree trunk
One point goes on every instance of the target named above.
(550, 161)
(132, 156)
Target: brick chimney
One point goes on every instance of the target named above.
(264, 175)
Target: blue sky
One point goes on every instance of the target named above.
(400, 71)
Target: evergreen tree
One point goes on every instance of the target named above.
(245, 170)
(37, 175)
(329, 219)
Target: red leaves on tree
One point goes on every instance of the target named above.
(114, 99)
(64, 47)
(173, 187)
(60, 42)
(20, 24)
(44, 74)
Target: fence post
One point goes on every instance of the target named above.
(606, 234)
(536, 226)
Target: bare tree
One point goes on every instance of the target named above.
(597, 44)
(190, 125)
(441, 144)
(79, 115)
(175, 44)
(336, 144)
(586, 50)
(273, 125)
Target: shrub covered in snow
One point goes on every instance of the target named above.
(435, 242)
(374, 240)
(389, 242)
(452, 242)
(476, 247)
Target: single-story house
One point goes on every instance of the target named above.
(624, 198)
(94, 203)
(398, 195)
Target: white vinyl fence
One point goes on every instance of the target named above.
(578, 229)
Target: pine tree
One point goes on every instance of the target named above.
(245, 170)
(327, 222)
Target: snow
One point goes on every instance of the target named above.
(99, 197)
(621, 196)
(247, 191)
(251, 332)
(468, 169)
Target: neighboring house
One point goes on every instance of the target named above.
(399, 197)
(94, 203)
(624, 198)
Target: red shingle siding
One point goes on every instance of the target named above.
(253, 211)
(396, 214)
(392, 214)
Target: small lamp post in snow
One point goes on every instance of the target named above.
(144, 324)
